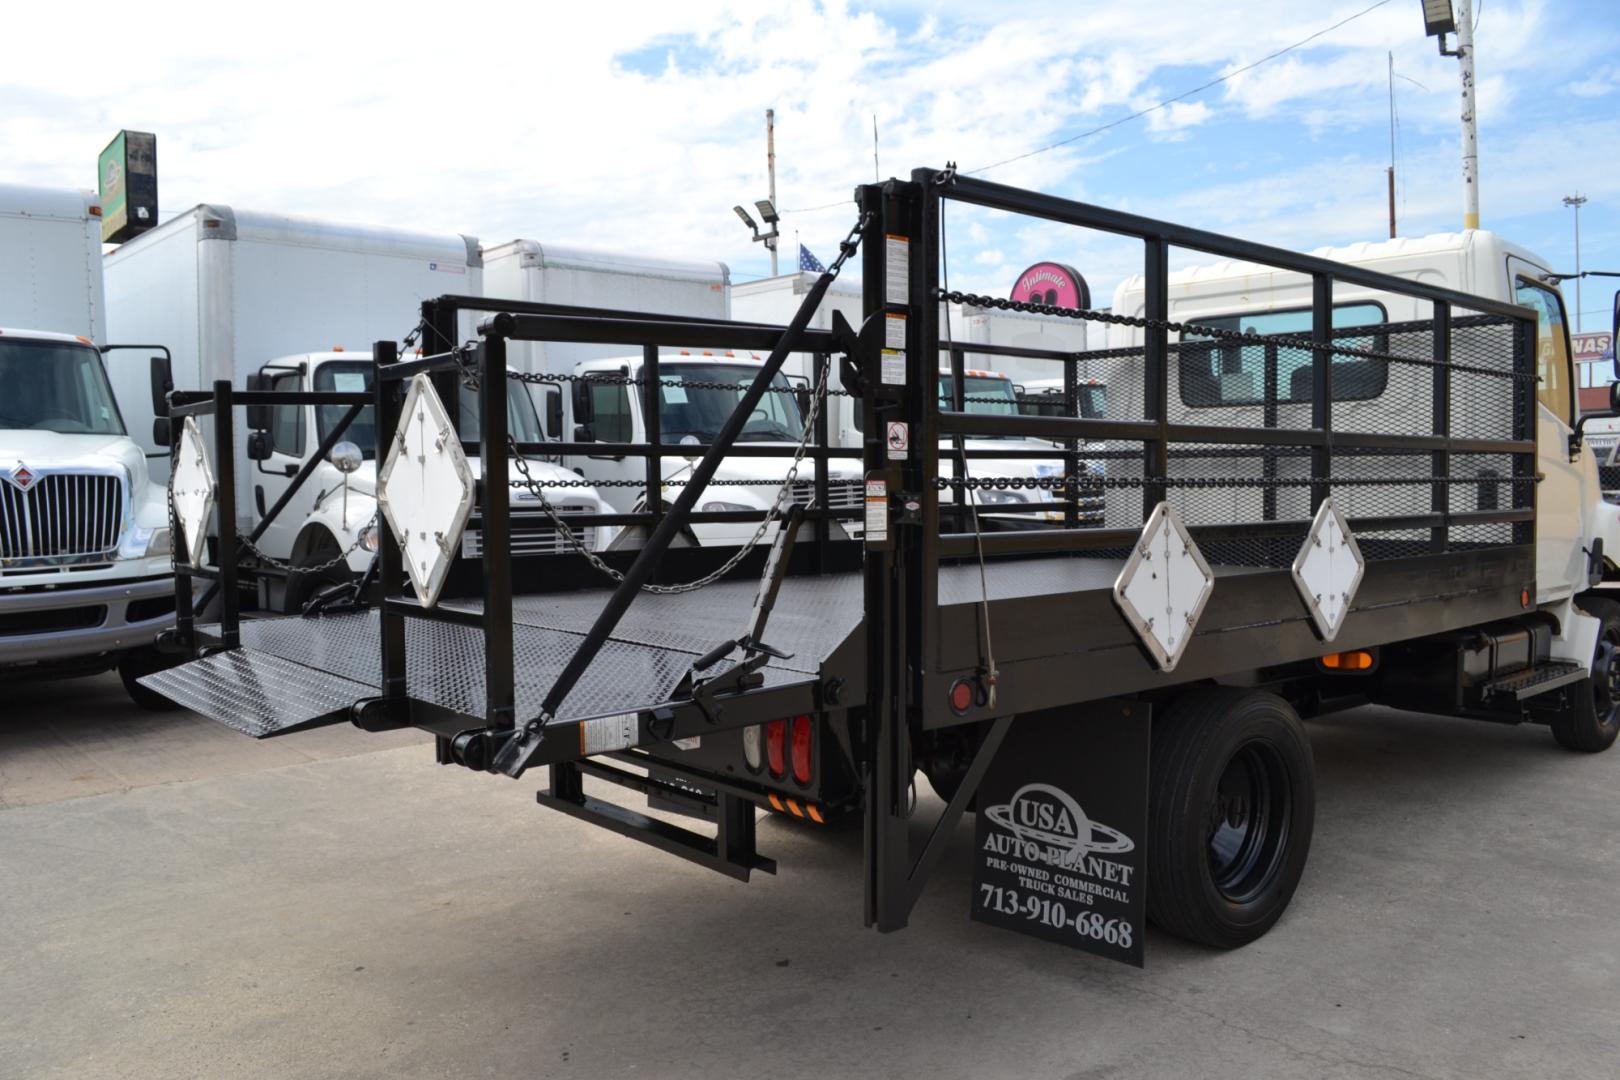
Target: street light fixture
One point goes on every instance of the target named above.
(767, 211)
(1438, 19)
(1575, 202)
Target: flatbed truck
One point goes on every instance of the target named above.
(1119, 706)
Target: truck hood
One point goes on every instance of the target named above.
(52, 450)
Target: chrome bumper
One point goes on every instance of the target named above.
(112, 631)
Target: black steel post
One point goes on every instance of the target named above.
(1321, 386)
(652, 418)
(818, 389)
(390, 568)
(185, 617)
(230, 598)
(1440, 460)
(1155, 370)
(500, 692)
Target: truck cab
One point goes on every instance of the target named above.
(85, 575)
(697, 394)
(332, 513)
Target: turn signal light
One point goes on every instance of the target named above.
(776, 747)
(1354, 660)
(801, 749)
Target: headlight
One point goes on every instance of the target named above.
(161, 543)
(726, 507)
(993, 497)
(1048, 468)
(368, 538)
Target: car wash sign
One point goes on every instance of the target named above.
(1060, 829)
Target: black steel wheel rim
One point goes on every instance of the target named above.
(1248, 822)
(1605, 681)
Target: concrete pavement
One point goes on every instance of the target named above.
(373, 915)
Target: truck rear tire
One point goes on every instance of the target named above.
(1231, 805)
(1590, 719)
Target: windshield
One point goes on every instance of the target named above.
(56, 386)
(698, 411)
(1092, 399)
(984, 395)
(355, 377)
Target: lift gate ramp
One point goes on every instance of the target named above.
(1378, 487)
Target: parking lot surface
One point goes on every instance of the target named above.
(182, 902)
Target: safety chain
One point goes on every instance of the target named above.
(636, 380)
(1054, 483)
(1221, 333)
(295, 569)
(845, 250)
(832, 482)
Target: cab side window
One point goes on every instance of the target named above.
(610, 408)
(287, 421)
(1552, 347)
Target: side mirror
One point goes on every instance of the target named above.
(583, 413)
(162, 432)
(258, 416)
(258, 446)
(583, 433)
(346, 457)
(554, 413)
(1614, 398)
(162, 382)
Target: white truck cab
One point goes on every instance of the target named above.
(697, 395)
(1573, 521)
(85, 575)
(332, 513)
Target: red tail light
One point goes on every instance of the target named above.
(776, 747)
(801, 748)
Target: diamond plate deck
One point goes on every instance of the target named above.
(293, 672)
(257, 693)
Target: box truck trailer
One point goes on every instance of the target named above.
(85, 580)
(258, 299)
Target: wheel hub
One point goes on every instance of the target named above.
(1247, 822)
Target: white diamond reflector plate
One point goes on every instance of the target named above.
(1327, 570)
(1164, 587)
(425, 489)
(191, 490)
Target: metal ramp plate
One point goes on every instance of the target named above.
(257, 693)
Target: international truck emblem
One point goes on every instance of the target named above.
(22, 478)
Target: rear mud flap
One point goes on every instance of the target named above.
(259, 694)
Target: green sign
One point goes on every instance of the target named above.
(114, 193)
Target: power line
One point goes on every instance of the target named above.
(1166, 103)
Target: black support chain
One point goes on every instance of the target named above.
(1055, 483)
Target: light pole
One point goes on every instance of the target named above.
(767, 211)
(1440, 19)
(1576, 201)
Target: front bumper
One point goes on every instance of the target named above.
(84, 621)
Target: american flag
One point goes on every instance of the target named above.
(809, 262)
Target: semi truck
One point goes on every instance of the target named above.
(85, 583)
(276, 301)
(1120, 708)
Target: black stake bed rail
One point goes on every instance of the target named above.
(539, 661)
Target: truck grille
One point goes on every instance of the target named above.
(842, 494)
(537, 540)
(62, 516)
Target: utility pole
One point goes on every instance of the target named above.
(1470, 128)
(1391, 169)
(770, 162)
(1575, 202)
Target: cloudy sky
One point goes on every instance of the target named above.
(638, 125)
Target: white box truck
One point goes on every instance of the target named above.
(295, 303)
(85, 576)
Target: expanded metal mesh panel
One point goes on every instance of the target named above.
(1486, 404)
(61, 515)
